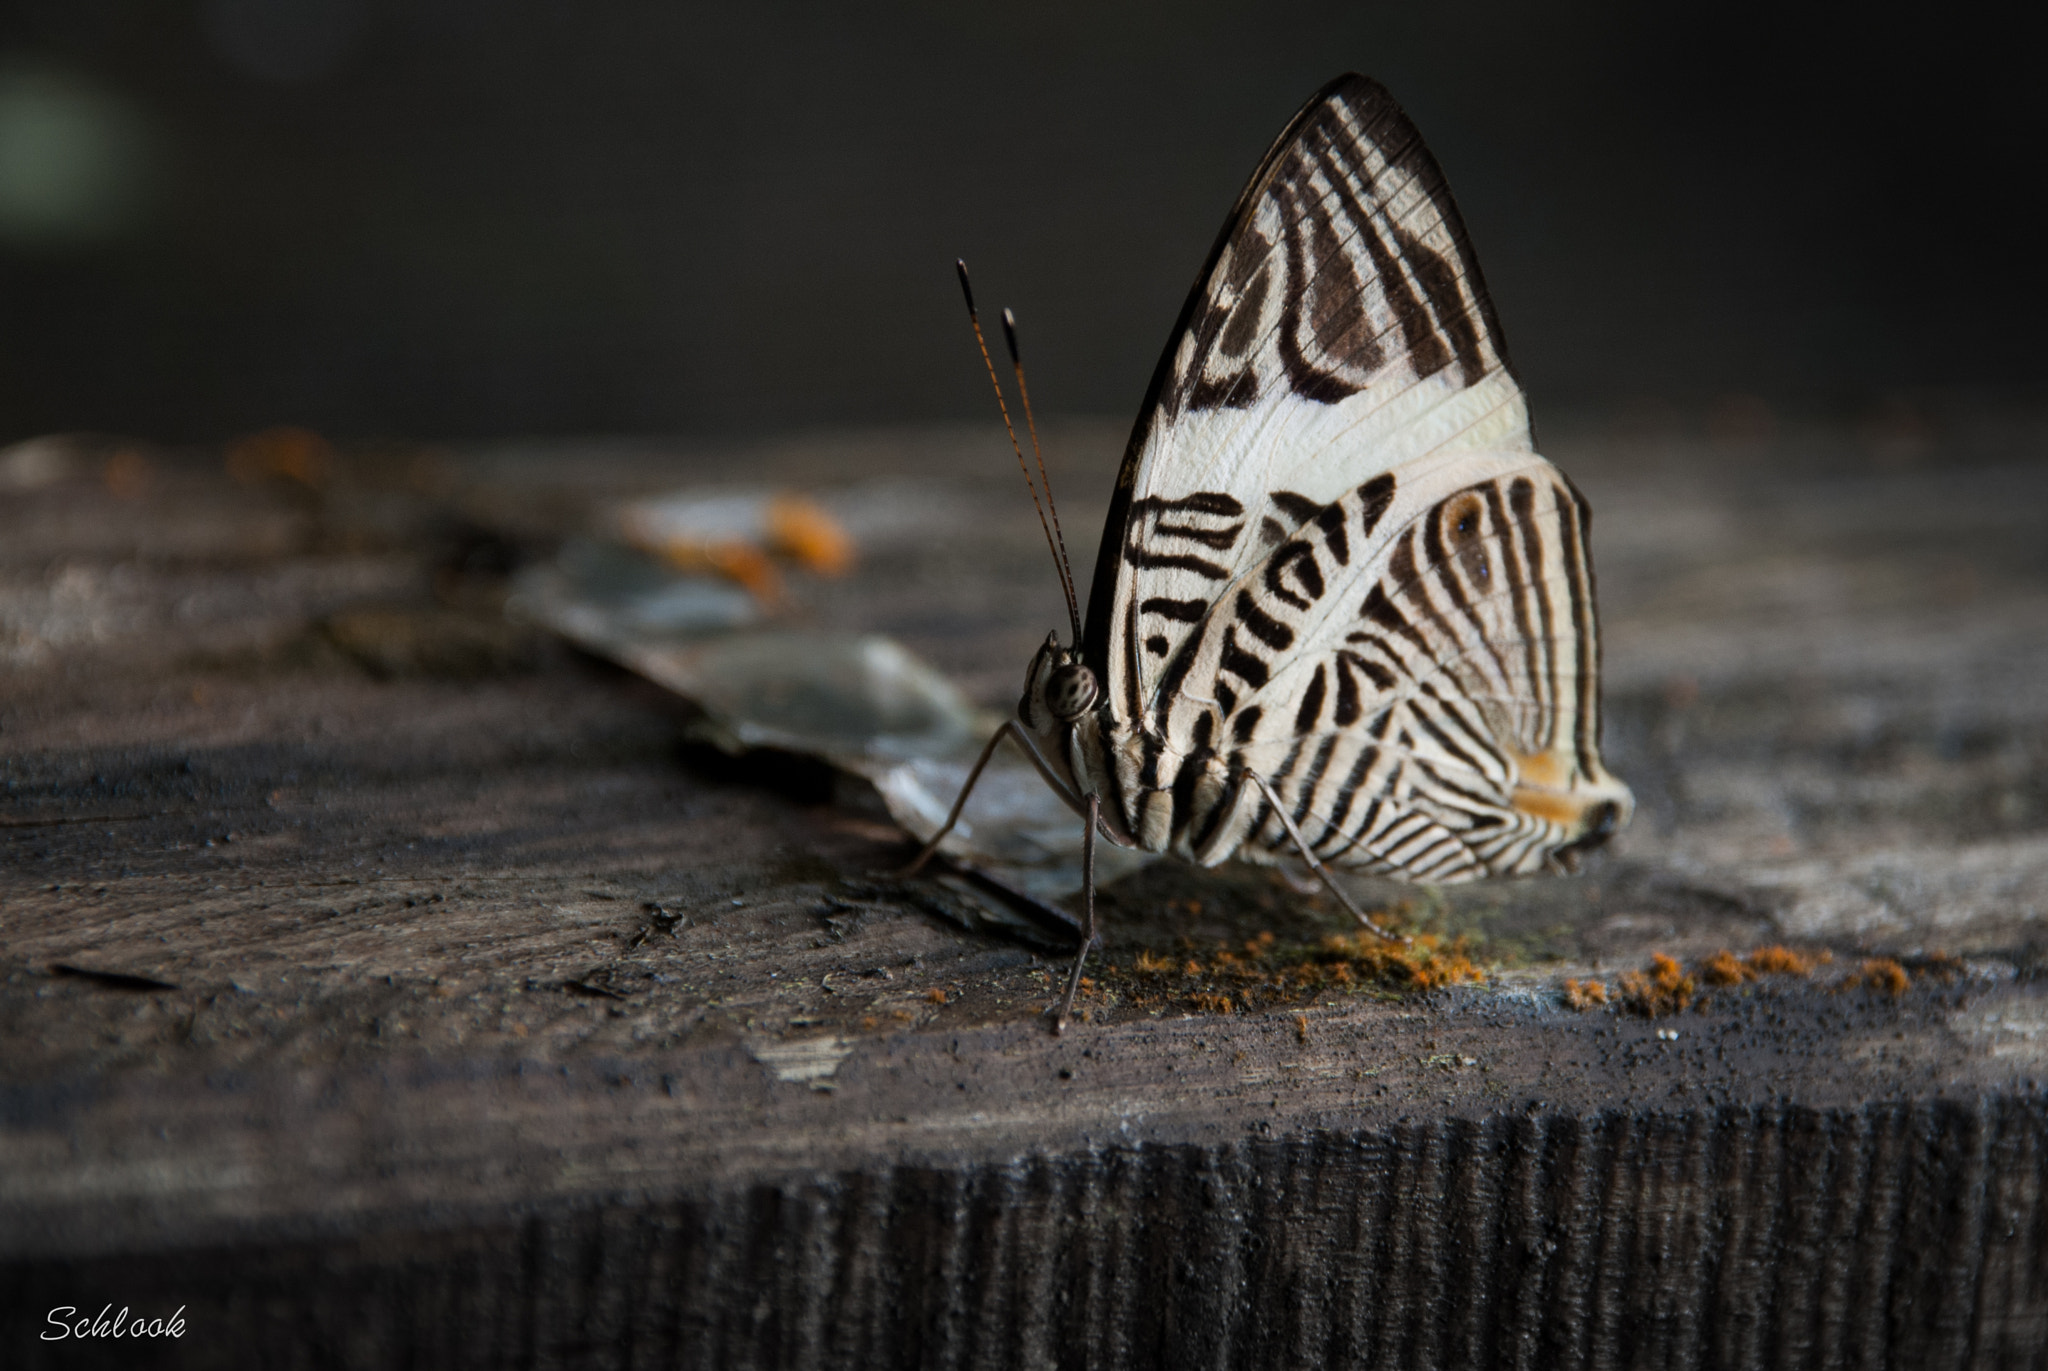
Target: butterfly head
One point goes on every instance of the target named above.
(1058, 689)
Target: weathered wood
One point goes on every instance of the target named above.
(509, 1027)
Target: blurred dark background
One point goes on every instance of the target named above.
(467, 218)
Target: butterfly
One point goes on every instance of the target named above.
(1342, 610)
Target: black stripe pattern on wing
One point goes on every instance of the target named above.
(1343, 265)
(1345, 259)
(1421, 698)
(1196, 533)
(1190, 533)
(1404, 738)
(1575, 526)
(1254, 633)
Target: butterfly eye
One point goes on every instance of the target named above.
(1070, 691)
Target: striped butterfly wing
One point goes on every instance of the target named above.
(1340, 329)
(1415, 674)
(1336, 378)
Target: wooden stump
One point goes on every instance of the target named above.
(384, 984)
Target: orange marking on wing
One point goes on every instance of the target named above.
(1543, 789)
(1550, 770)
(1548, 804)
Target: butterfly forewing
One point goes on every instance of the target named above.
(1346, 259)
(1340, 328)
(1334, 559)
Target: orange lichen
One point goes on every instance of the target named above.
(1662, 989)
(736, 559)
(739, 562)
(807, 535)
(1211, 1003)
(1431, 964)
(1940, 966)
(127, 474)
(1723, 968)
(744, 550)
(1583, 995)
(936, 996)
(1262, 970)
(1422, 963)
(1783, 961)
(1301, 1028)
(298, 454)
(1882, 974)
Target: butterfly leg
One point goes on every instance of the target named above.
(1066, 1005)
(1287, 822)
(917, 862)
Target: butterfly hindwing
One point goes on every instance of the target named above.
(1340, 330)
(1412, 673)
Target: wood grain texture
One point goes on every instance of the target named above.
(509, 1027)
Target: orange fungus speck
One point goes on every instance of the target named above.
(1662, 989)
(297, 454)
(807, 535)
(1884, 975)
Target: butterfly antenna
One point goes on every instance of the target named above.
(1031, 425)
(1052, 545)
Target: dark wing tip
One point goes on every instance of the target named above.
(1351, 86)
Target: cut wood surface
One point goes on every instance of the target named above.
(384, 982)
